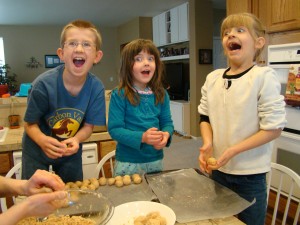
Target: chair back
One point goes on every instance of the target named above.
(14, 172)
(109, 158)
(283, 195)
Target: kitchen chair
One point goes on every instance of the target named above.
(284, 183)
(109, 157)
(13, 171)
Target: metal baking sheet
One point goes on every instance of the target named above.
(195, 197)
(132, 192)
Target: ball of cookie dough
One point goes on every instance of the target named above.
(95, 183)
(118, 178)
(86, 182)
(119, 183)
(102, 181)
(111, 181)
(137, 180)
(126, 180)
(211, 161)
(92, 180)
(84, 187)
(91, 187)
(78, 183)
(135, 175)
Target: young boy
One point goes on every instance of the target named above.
(64, 105)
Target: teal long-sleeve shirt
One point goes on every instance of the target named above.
(127, 123)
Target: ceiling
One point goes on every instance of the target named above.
(107, 13)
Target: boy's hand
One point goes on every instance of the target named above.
(72, 146)
(52, 147)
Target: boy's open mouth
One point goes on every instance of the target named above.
(78, 62)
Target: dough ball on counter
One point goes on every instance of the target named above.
(118, 178)
(92, 180)
(111, 181)
(135, 175)
(211, 161)
(84, 187)
(119, 183)
(71, 185)
(95, 183)
(86, 182)
(126, 177)
(137, 180)
(102, 181)
(126, 180)
(78, 183)
(92, 187)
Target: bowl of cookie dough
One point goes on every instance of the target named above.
(87, 204)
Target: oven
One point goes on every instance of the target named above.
(284, 59)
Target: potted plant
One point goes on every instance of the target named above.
(8, 80)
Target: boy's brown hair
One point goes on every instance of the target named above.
(84, 25)
(127, 61)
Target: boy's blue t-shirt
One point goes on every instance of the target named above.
(59, 114)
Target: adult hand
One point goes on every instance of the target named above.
(152, 136)
(39, 205)
(43, 204)
(41, 179)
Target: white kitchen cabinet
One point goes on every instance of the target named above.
(183, 16)
(171, 26)
(174, 29)
(160, 27)
(155, 28)
(180, 111)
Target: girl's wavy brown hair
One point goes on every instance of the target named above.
(125, 74)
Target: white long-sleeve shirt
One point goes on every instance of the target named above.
(251, 103)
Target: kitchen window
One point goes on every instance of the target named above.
(2, 59)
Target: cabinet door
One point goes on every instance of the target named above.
(283, 15)
(237, 6)
(174, 25)
(176, 111)
(155, 27)
(5, 163)
(183, 20)
(162, 29)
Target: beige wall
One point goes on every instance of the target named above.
(201, 37)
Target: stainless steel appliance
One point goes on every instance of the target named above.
(287, 146)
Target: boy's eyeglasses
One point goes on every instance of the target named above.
(74, 44)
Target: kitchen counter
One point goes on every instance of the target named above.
(13, 140)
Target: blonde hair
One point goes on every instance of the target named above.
(127, 61)
(248, 20)
(83, 25)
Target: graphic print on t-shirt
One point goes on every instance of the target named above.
(65, 123)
